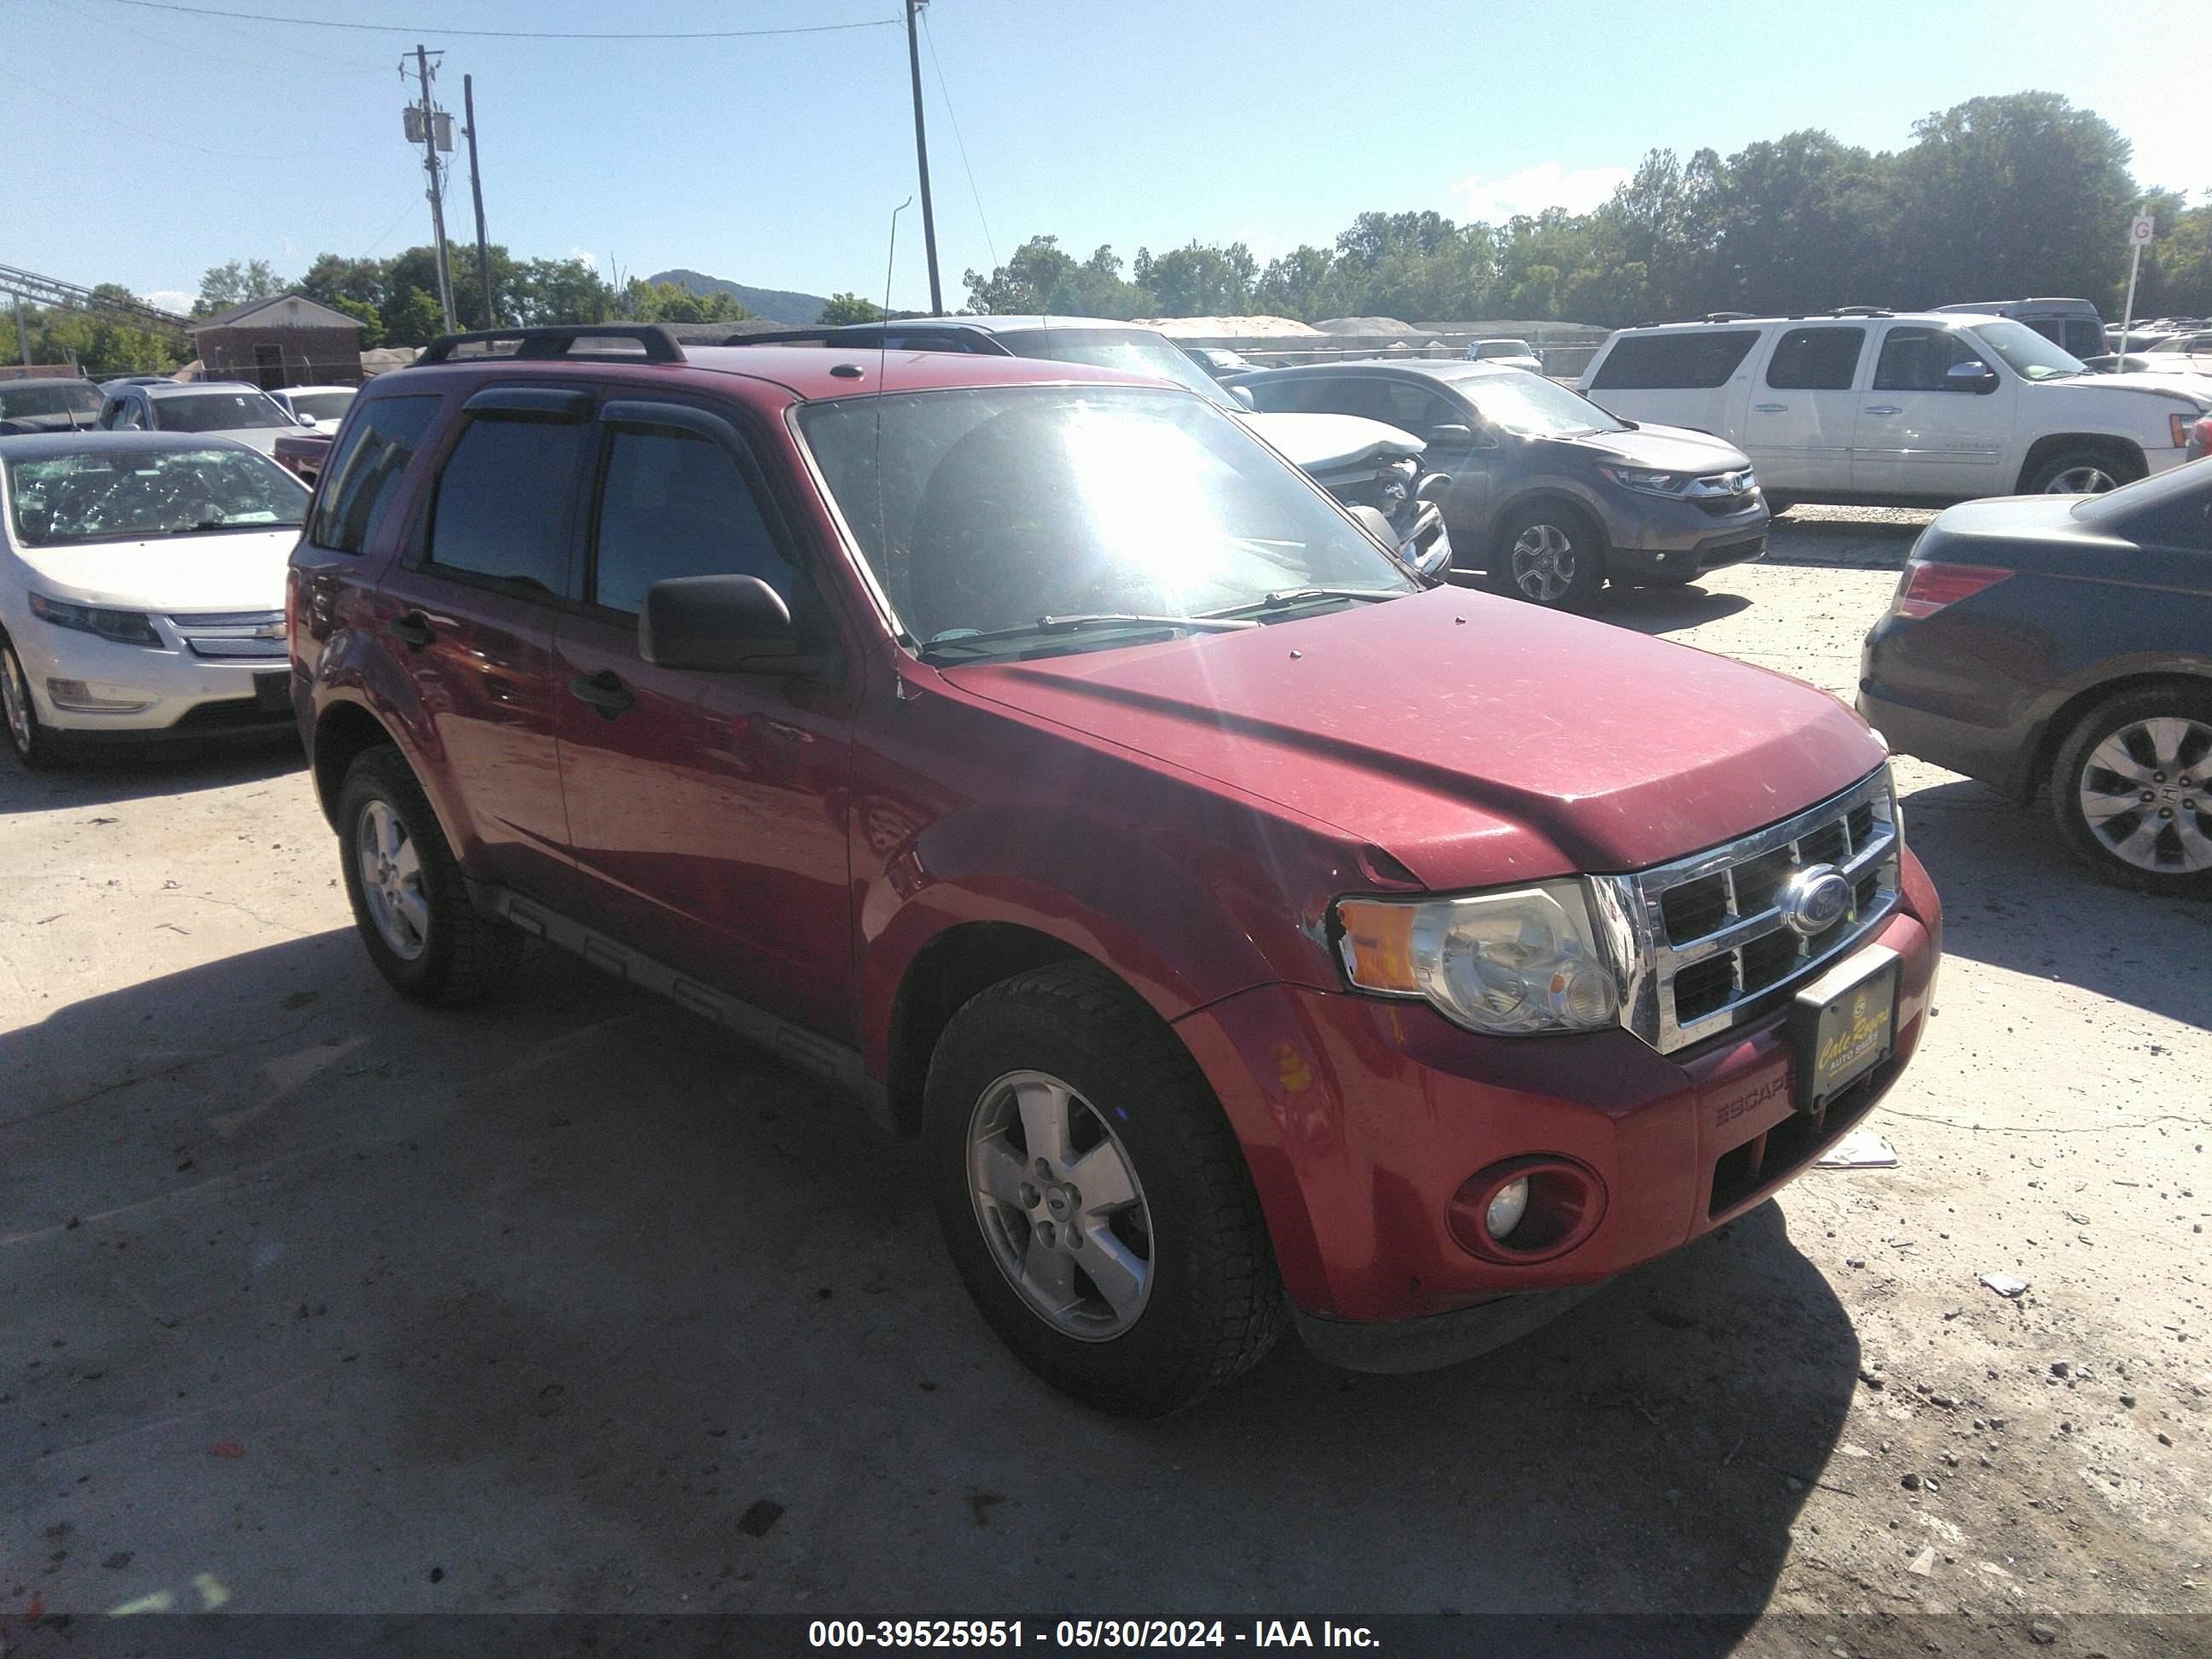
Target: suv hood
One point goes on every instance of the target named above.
(1478, 740)
(1660, 448)
(228, 570)
(2171, 385)
(1328, 444)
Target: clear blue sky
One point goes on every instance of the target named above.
(777, 161)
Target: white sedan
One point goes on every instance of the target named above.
(142, 589)
(317, 408)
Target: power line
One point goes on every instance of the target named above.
(508, 34)
(201, 53)
(109, 120)
(960, 144)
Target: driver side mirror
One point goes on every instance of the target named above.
(1243, 395)
(305, 420)
(1973, 375)
(717, 625)
(1451, 435)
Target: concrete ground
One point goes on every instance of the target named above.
(311, 1300)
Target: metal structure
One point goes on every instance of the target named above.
(476, 190)
(47, 291)
(436, 130)
(921, 158)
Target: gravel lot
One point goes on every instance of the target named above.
(310, 1300)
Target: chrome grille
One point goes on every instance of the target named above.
(234, 635)
(1710, 945)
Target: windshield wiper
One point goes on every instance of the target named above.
(1051, 625)
(1293, 599)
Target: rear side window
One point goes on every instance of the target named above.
(1816, 358)
(504, 508)
(675, 504)
(359, 480)
(1696, 361)
(2084, 338)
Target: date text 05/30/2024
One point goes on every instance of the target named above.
(1086, 1634)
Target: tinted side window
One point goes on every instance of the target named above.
(1816, 358)
(675, 504)
(503, 504)
(360, 479)
(1916, 359)
(1698, 361)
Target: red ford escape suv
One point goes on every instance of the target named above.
(1245, 926)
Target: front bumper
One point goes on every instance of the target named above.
(183, 697)
(1654, 538)
(1361, 1118)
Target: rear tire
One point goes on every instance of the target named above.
(2131, 790)
(1068, 1130)
(1550, 554)
(2082, 471)
(409, 903)
(35, 746)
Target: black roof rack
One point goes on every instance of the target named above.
(559, 341)
(1861, 310)
(826, 334)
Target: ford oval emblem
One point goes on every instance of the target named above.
(1814, 899)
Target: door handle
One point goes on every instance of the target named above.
(604, 692)
(1770, 409)
(1881, 408)
(413, 630)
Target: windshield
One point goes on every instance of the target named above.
(323, 406)
(1503, 349)
(1133, 351)
(1533, 406)
(2026, 353)
(25, 399)
(111, 494)
(217, 412)
(1003, 505)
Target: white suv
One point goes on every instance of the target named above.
(1908, 410)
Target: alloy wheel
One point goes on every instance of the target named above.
(15, 697)
(391, 881)
(1060, 1207)
(2146, 793)
(1543, 563)
(2081, 481)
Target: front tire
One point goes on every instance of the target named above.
(35, 747)
(2081, 472)
(2132, 790)
(1550, 555)
(1092, 1196)
(409, 903)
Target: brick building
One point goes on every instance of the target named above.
(287, 340)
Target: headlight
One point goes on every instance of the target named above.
(124, 627)
(1650, 483)
(1508, 963)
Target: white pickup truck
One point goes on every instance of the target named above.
(1863, 405)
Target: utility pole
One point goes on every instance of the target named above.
(431, 173)
(476, 190)
(22, 334)
(921, 155)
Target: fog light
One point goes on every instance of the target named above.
(79, 698)
(1507, 1205)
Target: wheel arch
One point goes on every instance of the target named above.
(2044, 754)
(950, 968)
(1550, 494)
(2125, 450)
(343, 731)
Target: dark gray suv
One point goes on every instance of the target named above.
(1550, 495)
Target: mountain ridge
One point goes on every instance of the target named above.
(778, 305)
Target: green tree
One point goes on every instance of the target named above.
(1199, 280)
(672, 302)
(411, 318)
(842, 308)
(235, 283)
(371, 319)
(561, 291)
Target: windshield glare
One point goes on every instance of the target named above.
(217, 412)
(2026, 353)
(1533, 406)
(1133, 351)
(1002, 505)
(101, 496)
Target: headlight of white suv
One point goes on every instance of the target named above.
(1508, 964)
